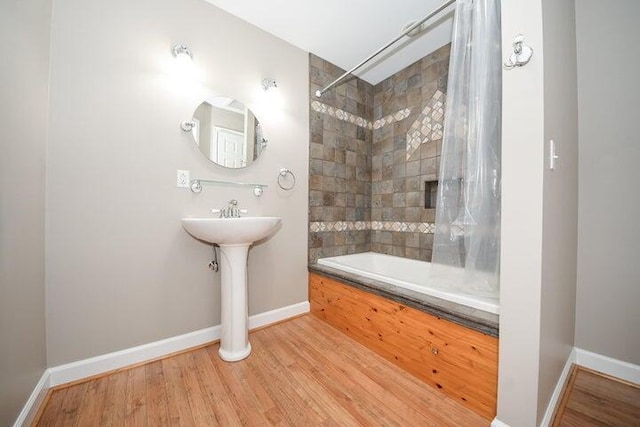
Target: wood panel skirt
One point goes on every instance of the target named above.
(460, 362)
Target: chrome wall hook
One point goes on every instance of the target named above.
(521, 55)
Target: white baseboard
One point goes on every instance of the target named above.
(557, 391)
(119, 359)
(497, 423)
(34, 401)
(607, 365)
(277, 315)
(108, 362)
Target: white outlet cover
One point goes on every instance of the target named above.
(182, 177)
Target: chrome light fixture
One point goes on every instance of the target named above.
(187, 126)
(181, 52)
(269, 84)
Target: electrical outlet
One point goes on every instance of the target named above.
(182, 178)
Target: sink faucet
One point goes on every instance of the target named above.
(231, 211)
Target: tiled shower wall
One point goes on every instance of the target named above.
(372, 149)
(340, 163)
(406, 153)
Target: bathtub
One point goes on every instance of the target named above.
(409, 274)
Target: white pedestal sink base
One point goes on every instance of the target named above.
(234, 338)
(234, 357)
(234, 235)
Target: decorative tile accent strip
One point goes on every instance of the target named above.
(411, 227)
(396, 117)
(429, 125)
(339, 226)
(340, 114)
(357, 120)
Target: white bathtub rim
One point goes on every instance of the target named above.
(485, 304)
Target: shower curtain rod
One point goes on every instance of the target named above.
(386, 46)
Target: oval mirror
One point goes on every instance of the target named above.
(227, 132)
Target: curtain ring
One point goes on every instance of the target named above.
(284, 173)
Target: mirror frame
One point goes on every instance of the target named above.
(242, 136)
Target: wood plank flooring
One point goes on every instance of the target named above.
(459, 362)
(591, 398)
(302, 372)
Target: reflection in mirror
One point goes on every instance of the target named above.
(227, 132)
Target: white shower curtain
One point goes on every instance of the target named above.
(467, 232)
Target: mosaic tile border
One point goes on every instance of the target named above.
(429, 125)
(357, 120)
(340, 114)
(319, 226)
(395, 117)
(409, 227)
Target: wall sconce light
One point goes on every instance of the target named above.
(182, 74)
(181, 52)
(187, 126)
(269, 101)
(269, 84)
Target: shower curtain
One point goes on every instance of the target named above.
(467, 230)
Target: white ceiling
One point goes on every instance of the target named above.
(346, 32)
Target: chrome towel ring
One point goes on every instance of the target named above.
(284, 176)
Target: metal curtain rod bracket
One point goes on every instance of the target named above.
(386, 46)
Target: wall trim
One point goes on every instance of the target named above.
(608, 365)
(557, 391)
(278, 315)
(30, 409)
(497, 423)
(598, 362)
(119, 359)
(86, 368)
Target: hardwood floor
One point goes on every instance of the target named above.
(591, 398)
(460, 362)
(301, 373)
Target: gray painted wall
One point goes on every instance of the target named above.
(113, 198)
(560, 200)
(539, 209)
(121, 271)
(24, 77)
(521, 226)
(607, 315)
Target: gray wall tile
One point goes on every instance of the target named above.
(363, 174)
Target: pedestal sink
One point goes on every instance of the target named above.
(234, 236)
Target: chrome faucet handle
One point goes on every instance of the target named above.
(232, 210)
(216, 211)
(243, 211)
